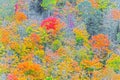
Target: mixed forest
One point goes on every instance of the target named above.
(59, 40)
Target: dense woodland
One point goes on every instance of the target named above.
(59, 40)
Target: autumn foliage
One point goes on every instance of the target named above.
(20, 16)
(116, 14)
(52, 23)
(60, 43)
(94, 3)
(100, 41)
